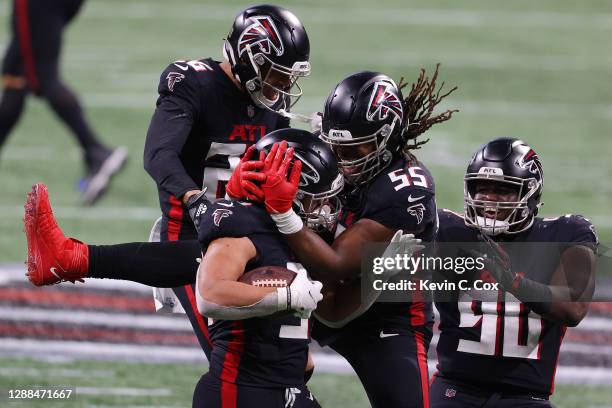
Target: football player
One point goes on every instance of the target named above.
(259, 359)
(208, 112)
(256, 360)
(503, 352)
(31, 65)
(372, 130)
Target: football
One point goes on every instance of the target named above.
(268, 277)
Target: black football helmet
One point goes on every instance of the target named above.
(364, 110)
(266, 46)
(321, 181)
(516, 165)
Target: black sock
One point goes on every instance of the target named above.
(158, 264)
(11, 108)
(66, 105)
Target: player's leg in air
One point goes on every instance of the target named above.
(31, 64)
(53, 257)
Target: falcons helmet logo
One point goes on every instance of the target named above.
(531, 162)
(309, 173)
(262, 32)
(417, 211)
(219, 214)
(173, 78)
(384, 101)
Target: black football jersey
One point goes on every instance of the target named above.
(262, 351)
(201, 126)
(402, 196)
(503, 344)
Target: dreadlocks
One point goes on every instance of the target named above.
(418, 107)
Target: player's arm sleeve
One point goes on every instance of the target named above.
(576, 269)
(566, 298)
(219, 294)
(177, 110)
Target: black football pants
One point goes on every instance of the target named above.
(210, 392)
(445, 393)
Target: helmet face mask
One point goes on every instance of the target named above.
(268, 50)
(499, 217)
(517, 169)
(320, 212)
(362, 123)
(360, 158)
(277, 79)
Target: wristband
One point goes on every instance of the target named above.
(284, 298)
(288, 222)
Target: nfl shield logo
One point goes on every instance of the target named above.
(450, 393)
(250, 111)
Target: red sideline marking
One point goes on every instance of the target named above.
(85, 300)
(102, 334)
(422, 359)
(601, 307)
(593, 337)
(25, 42)
(231, 361)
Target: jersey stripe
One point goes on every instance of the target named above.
(422, 361)
(417, 314)
(200, 319)
(25, 42)
(231, 361)
(552, 383)
(175, 221)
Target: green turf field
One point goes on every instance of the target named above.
(171, 385)
(537, 70)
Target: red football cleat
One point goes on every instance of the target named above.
(52, 258)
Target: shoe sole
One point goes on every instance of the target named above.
(30, 220)
(100, 181)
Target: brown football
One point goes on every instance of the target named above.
(268, 277)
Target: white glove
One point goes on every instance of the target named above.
(401, 244)
(301, 296)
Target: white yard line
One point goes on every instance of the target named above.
(54, 372)
(84, 318)
(326, 363)
(53, 349)
(95, 213)
(124, 392)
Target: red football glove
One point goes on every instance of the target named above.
(279, 191)
(238, 187)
